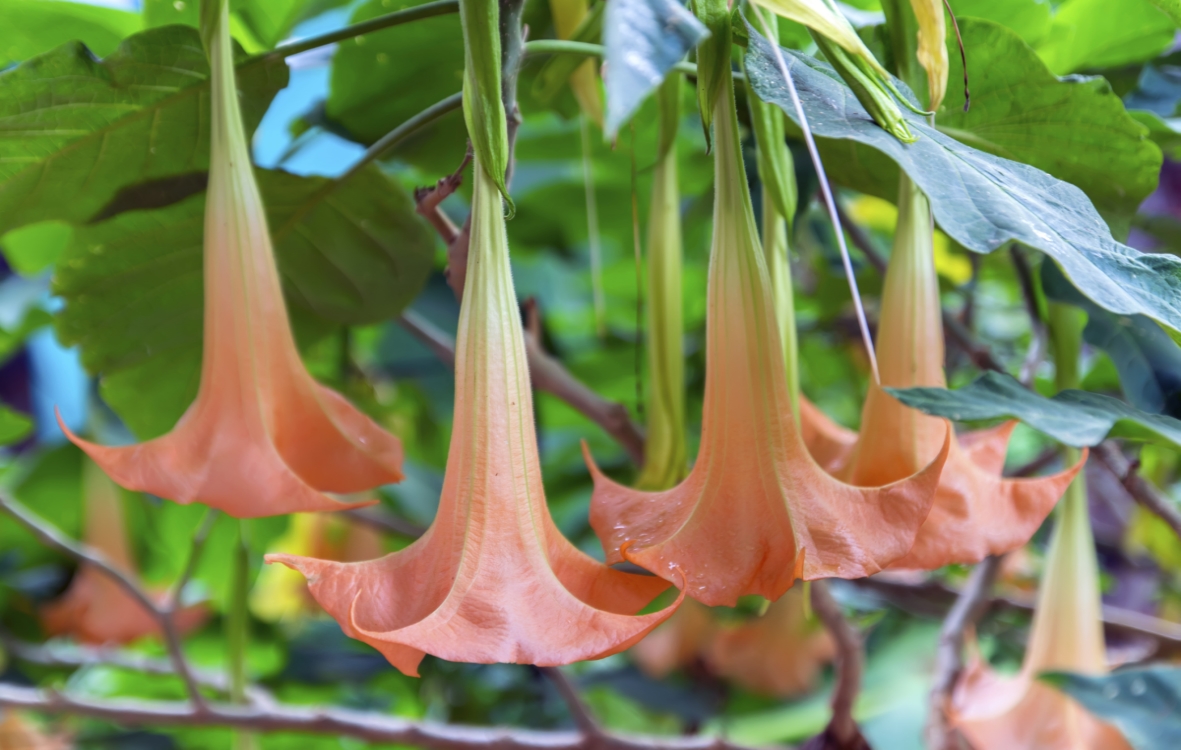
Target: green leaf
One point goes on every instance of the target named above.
(1030, 19)
(1021, 111)
(74, 131)
(1165, 133)
(382, 79)
(983, 201)
(35, 247)
(1088, 35)
(644, 40)
(14, 426)
(1171, 8)
(133, 288)
(1144, 704)
(1147, 359)
(257, 24)
(32, 27)
(1077, 418)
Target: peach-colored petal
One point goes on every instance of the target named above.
(492, 580)
(262, 438)
(829, 443)
(756, 512)
(17, 733)
(780, 653)
(976, 512)
(95, 608)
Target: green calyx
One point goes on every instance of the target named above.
(876, 93)
(713, 59)
(483, 103)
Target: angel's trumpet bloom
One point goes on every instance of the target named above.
(492, 580)
(262, 438)
(281, 593)
(756, 512)
(666, 457)
(584, 81)
(1019, 712)
(779, 654)
(95, 608)
(977, 512)
(932, 49)
(679, 641)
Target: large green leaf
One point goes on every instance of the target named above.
(351, 252)
(74, 131)
(1077, 418)
(981, 200)
(257, 24)
(1075, 129)
(1030, 19)
(382, 79)
(1091, 34)
(31, 27)
(1171, 8)
(1144, 704)
(1021, 111)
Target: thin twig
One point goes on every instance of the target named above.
(381, 519)
(368, 727)
(427, 201)
(1141, 490)
(195, 550)
(934, 599)
(842, 730)
(51, 536)
(949, 655)
(579, 711)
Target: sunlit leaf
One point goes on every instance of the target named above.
(35, 26)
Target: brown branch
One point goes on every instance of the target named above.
(934, 599)
(427, 201)
(1141, 490)
(90, 556)
(949, 656)
(579, 711)
(367, 727)
(842, 732)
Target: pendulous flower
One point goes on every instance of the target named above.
(679, 641)
(492, 580)
(96, 609)
(262, 437)
(756, 512)
(584, 81)
(977, 512)
(1019, 712)
(779, 653)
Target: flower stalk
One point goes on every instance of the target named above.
(666, 455)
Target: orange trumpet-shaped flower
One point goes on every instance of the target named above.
(779, 654)
(95, 609)
(17, 733)
(756, 512)
(492, 580)
(262, 438)
(976, 512)
(1020, 713)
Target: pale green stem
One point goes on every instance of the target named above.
(592, 231)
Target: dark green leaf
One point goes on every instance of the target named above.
(644, 39)
(1030, 19)
(1147, 359)
(133, 289)
(382, 79)
(32, 27)
(74, 131)
(984, 201)
(14, 426)
(1144, 704)
(1076, 418)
